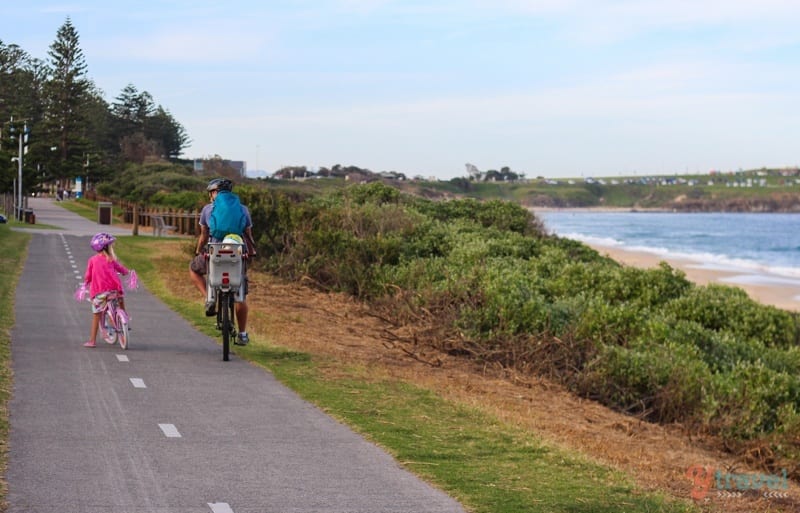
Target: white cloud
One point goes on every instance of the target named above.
(184, 45)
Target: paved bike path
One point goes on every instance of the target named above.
(167, 427)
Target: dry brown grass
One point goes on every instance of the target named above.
(656, 457)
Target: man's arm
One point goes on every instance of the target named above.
(202, 240)
(248, 239)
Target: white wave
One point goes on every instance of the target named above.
(703, 260)
(761, 279)
(588, 239)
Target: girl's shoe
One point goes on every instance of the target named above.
(90, 344)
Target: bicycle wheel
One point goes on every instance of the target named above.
(225, 324)
(123, 333)
(108, 330)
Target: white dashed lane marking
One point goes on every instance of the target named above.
(138, 383)
(170, 431)
(122, 358)
(220, 507)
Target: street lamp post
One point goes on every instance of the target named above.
(19, 170)
(18, 197)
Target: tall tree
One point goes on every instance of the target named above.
(21, 79)
(141, 125)
(170, 134)
(132, 108)
(66, 101)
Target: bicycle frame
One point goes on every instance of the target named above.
(114, 322)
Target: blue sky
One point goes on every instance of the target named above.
(557, 88)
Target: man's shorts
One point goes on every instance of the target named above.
(199, 264)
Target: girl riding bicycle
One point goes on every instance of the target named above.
(102, 279)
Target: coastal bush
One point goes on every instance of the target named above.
(723, 308)
(430, 239)
(745, 403)
(481, 280)
(273, 214)
(502, 215)
(511, 303)
(664, 383)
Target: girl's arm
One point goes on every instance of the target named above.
(120, 268)
(87, 276)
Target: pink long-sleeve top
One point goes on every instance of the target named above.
(102, 275)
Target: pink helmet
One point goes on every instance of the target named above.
(101, 240)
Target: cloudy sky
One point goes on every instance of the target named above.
(557, 88)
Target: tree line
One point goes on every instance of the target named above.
(72, 130)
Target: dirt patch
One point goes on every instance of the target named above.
(657, 457)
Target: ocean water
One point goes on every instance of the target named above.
(759, 248)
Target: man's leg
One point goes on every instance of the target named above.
(241, 315)
(242, 310)
(199, 281)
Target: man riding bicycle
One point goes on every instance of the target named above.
(198, 268)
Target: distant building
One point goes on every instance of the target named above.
(213, 163)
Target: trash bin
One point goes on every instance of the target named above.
(30, 218)
(104, 212)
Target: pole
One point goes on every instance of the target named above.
(19, 173)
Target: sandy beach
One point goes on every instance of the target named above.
(768, 289)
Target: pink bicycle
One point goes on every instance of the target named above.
(114, 323)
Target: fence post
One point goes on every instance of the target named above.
(135, 218)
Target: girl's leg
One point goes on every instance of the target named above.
(95, 326)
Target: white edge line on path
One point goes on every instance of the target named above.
(170, 431)
(220, 507)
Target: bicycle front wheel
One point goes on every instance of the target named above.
(123, 332)
(108, 330)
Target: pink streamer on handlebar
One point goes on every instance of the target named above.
(133, 280)
(81, 292)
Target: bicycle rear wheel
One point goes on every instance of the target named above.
(224, 310)
(108, 329)
(123, 333)
(226, 332)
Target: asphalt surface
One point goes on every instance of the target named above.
(167, 426)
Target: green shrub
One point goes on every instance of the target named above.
(502, 215)
(723, 308)
(511, 303)
(375, 193)
(661, 383)
(745, 403)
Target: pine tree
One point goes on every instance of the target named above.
(67, 93)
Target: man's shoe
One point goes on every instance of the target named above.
(242, 339)
(211, 308)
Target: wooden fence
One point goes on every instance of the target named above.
(185, 222)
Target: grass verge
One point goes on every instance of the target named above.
(488, 465)
(13, 247)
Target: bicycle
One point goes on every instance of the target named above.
(225, 277)
(114, 323)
